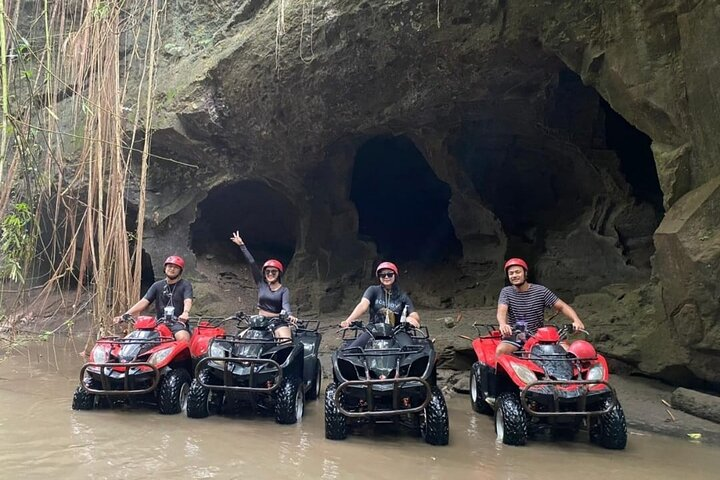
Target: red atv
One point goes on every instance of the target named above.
(544, 386)
(146, 365)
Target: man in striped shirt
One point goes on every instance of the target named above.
(521, 308)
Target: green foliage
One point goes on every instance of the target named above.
(23, 50)
(101, 11)
(15, 242)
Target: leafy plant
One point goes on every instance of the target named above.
(15, 242)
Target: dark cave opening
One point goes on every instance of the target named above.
(147, 272)
(266, 220)
(566, 185)
(402, 205)
(636, 158)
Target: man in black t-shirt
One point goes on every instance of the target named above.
(386, 303)
(172, 297)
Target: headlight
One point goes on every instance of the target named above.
(596, 372)
(100, 354)
(525, 374)
(216, 350)
(160, 356)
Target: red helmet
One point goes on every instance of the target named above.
(387, 265)
(583, 350)
(275, 264)
(519, 262)
(175, 260)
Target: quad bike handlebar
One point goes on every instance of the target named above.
(492, 329)
(358, 325)
(567, 329)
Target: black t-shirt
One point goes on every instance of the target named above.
(271, 301)
(164, 294)
(380, 299)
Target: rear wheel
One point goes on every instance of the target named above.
(511, 423)
(316, 384)
(435, 427)
(289, 401)
(336, 427)
(610, 429)
(198, 401)
(477, 397)
(173, 392)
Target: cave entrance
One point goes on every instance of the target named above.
(636, 158)
(574, 185)
(147, 271)
(402, 205)
(266, 220)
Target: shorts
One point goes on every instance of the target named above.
(277, 323)
(178, 326)
(517, 339)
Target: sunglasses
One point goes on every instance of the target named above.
(271, 271)
(386, 275)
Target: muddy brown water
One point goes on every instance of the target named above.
(41, 437)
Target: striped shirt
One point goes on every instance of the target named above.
(528, 306)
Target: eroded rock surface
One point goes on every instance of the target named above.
(563, 132)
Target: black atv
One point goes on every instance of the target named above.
(252, 369)
(387, 381)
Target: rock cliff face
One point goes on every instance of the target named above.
(449, 136)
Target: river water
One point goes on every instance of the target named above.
(41, 437)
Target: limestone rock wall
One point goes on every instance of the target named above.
(286, 98)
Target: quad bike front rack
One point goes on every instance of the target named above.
(581, 399)
(253, 363)
(311, 326)
(487, 330)
(369, 383)
(127, 380)
(396, 382)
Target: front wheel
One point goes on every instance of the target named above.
(435, 427)
(336, 427)
(82, 399)
(511, 423)
(173, 392)
(477, 397)
(198, 401)
(289, 401)
(610, 429)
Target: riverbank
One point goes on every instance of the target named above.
(642, 400)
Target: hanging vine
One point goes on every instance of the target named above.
(66, 148)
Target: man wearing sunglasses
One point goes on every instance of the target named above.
(386, 303)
